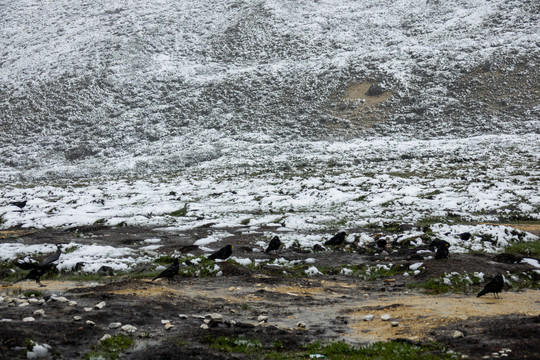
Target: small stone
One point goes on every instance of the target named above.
(1, 299)
(77, 318)
(207, 321)
(457, 334)
(28, 319)
(232, 322)
(165, 321)
(366, 296)
(100, 306)
(495, 354)
(385, 317)
(24, 303)
(368, 317)
(464, 356)
(215, 317)
(41, 301)
(168, 326)
(88, 309)
(129, 328)
(182, 316)
(105, 337)
(90, 322)
(301, 325)
(395, 323)
(33, 301)
(504, 355)
(39, 312)
(5, 320)
(72, 303)
(262, 318)
(12, 304)
(205, 327)
(115, 325)
(61, 299)
(198, 316)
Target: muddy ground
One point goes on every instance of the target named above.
(332, 306)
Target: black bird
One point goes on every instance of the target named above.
(465, 236)
(169, 272)
(274, 244)
(437, 243)
(494, 286)
(222, 253)
(37, 271)
(53, 257)
(19, 204)
(337, 239)
(381, 243)
(442, 252)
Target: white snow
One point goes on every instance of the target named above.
(312, 270)
(532, 262)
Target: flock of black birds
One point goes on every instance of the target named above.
(37, 270)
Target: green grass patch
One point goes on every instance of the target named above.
(402, 350)
(471, 283)
(531, 248)
(232, 344)
(376, 272)
(110, 348)
(180, 212)
(380, 350)
(29, 293)
(165, 260)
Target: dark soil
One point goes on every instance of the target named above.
(326, 303)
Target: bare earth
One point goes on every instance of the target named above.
(332, 307)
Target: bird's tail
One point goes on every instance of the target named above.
(483, 292)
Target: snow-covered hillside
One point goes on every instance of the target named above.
(244, 93)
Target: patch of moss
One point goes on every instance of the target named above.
(180, 212)
(531, 248)
(110, 348)
(233, 344)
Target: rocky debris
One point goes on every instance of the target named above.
(182, 316)
(457, 334)
(88, 309)
(129, 328)
(60, 299)
(77, 318)
(115, 325)
(28, 319)
(262, 319)
(205, 327)
(39, 312)
(301, 325)
(100, 305)
(395, 323)
(368, 317)
(24, 303)
(72, 303)
(168, 326)
(90, 322)
(385, 317)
